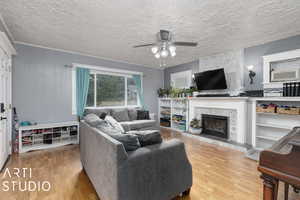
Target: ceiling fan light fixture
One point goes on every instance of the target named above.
(154, 49)
(172, 48)
(164, 53)
(157, 55)
(173, 54)
(165, 45)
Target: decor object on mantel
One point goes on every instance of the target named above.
(165, 45)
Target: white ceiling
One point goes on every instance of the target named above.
(109, 28)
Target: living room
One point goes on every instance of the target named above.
(149, 100)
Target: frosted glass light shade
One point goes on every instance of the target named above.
(164, 53)
(157, 55)
(172, 48)
(154, 49)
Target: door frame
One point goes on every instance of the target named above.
(9, 50)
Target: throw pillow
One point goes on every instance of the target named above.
(92, 119)
(132, 113)
(149, 137)
(121, 115)
(143, 114)
(114, 123)
(129, 141)
(103, 115)
(106, 128)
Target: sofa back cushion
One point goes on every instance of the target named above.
(98, 112)
(121, 115)
(132, 113)
(143, 114)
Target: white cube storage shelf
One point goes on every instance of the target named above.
(44, 136)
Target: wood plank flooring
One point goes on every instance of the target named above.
(218, 174)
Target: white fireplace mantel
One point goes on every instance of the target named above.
(239, 104)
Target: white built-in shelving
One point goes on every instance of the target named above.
(174, 113)
(267, 128)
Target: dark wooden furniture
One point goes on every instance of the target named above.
(281, 163)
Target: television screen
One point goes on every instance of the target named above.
(211, 80)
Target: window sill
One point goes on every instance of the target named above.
(112, 107)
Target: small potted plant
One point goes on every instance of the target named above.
(160, 92)
(167, 92)
(195, 126)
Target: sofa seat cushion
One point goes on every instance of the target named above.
(148, 137)
(137, 124)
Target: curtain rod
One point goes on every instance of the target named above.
(100, 68)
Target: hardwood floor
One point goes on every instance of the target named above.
(218, 174)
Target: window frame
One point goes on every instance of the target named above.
(104, 71)
(187, 74)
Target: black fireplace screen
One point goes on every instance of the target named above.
(215, 125)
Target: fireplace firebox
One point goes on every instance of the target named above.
(214, 125)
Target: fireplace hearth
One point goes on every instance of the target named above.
(214, 125)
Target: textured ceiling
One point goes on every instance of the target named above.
(109, 28)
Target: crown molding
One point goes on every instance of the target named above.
(10, 35)
(6, 45)
(83, 54)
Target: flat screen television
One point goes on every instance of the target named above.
(211, 80)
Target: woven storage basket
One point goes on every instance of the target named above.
(288, 111)
(268, 109)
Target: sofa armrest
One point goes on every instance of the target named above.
(100, 156)
(152, 116)
(158, 171)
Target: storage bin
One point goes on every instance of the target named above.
(288, 111)
(264, 109)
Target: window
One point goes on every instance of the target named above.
(181, 79)
(110, 90)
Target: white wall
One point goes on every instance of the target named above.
(233, 64)
(42, 86)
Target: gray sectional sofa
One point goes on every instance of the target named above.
(130, 121)
(155, 172)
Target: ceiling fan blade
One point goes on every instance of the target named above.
(190, 44)
(143, 45)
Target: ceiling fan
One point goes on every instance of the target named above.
(165, 45)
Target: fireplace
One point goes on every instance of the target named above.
(214, 125)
